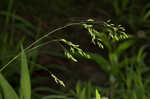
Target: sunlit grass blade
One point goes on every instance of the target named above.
(25, 77)
(97, 95)
(8, 91)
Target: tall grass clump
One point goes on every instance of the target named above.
(97, 38)
(108, 38)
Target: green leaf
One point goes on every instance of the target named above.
(89, 90)
(25, 77)
(123, 46)
(141, 53)
(127, 61)
(82, 95)
(147, 15)
(8, 91)
(98, 96)
(101, 61)
(78, 88)
(113, 58)
(145, 8)
(114, 63)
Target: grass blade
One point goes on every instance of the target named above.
(8, 91)
(82, 95)
(25, 77)
(97, 95)
(124, 46)
(101, 61)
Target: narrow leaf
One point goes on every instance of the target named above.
(101, 61)
(97, 95)
(124, 46)
(8, 91)
(25, 77)
(82, 95)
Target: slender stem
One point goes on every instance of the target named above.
(49, 33)
(112, 90)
